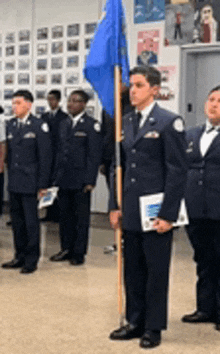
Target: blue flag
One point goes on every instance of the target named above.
(108, 49)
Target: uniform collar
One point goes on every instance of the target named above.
(77, 118)
(23, 120)
(145, 113)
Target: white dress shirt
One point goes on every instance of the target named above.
(208, 136)
(76, 118)
(145, 113)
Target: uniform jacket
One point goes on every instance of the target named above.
(79, 153)
(203, 179)
(29, 155)
(154, 161)
(54, 126)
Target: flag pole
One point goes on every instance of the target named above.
(118, 129)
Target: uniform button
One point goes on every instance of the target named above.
(133, 151)
(200, 183)
(133, 165)
(133, 180)
(16, 164)
(201, 171)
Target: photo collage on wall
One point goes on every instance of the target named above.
(192, 21)
(57, 62)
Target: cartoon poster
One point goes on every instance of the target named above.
(179, 22)
(168, 83)
(148, 47)
(206, 21)
(149, 10)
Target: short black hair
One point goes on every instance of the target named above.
(55, 93)
(216, 88)
(27, 95)
(152, 75)
(85, 97)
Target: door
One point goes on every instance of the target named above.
(200, 72)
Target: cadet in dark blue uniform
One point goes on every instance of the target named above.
(203, 203)
(77, 168)
(29, 165)
(153, 161)
(53, 118)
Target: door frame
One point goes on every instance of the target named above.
(185, 51)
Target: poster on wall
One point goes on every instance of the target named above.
(206, 21)
(149, 10)
(179, 22)
(148, 47)
(168, 83)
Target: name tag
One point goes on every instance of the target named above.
(29, 135)
(80, 134)
(154, 134)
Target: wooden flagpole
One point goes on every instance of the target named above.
(118, 130)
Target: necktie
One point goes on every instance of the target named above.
(136, 121)
(210, 130)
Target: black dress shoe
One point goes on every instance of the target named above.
(126, 332)
(25, 270)
(197, 317)
(77, 261)
(217, 326)
(15, 263)
(150, 339)
(61, 256)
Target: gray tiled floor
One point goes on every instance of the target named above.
(70, 310)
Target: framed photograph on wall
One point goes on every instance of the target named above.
(10, 50)
(9, 79)
(42, 64)
(57, 32)
(8, 94)
(57, 63)
(73, 30)
(39, 110)
(42, 33)
(24, 35)
(42, 49)
(10, 37)
(41, 79)
(10, 65)
(24, 64)
(24, 49)
(87, 43)
(72, 61)
(56, 79)
(57, 47)
(72, 78)
(73, 45)
(90, 110)
(90, 27)
(41, 94)
(23, 79)
(8, 112)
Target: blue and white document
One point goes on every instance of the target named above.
(48, 198)
(149, 209)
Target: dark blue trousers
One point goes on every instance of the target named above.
(25, 224)
(204, 235)
(147, 260)
(74, 221)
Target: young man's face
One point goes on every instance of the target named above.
(212, 108)
(75, 104)
(52, 101)
(20, 106)
(141, 93)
